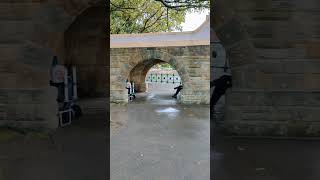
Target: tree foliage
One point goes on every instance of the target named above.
(140, 16)
(185, 4)
(163, 66)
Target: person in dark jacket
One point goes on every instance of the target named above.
(221, 85)
(178, 88)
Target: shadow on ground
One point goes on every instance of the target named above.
(264, 159)
(77, 152)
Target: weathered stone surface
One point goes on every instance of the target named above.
(191, 62)
(276, 83)
(85, 49)
(32, 32)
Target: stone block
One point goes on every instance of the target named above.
(3, 112)
(281, 53)
(253, 129)
(288, 98)
(18, 11)
(8, 81)
(230, 33)
(15, 31)
(264, 81)
(20, 112)
(312, 66)
(309, 114)
(294, 67)
(248, 98)
(286, 81)
(242, 54)
(312, 82)
(312, 98)
(20, 96)
(270, 67)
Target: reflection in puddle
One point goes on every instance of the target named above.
(150, 96)
(172, 113)
(167, 110)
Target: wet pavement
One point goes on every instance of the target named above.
(160, 140)
(76, 152)
(236, 158)
(154, 138)
(265, 159)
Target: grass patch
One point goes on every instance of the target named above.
(6, 134)
(10, 133)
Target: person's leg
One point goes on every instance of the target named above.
(215, 98)
(175, 94)
(178, 90)
(60, 88)
(213, 101)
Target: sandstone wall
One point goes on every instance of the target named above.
(191, 62)
(31, 33)
(86, 46)
(273, 47)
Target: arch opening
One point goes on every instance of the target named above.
(85, 45)
(162, 77)
(155, 76)
(84, 52)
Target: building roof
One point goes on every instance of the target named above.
(200, 36)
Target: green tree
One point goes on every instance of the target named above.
(165, 66)
(140, 16)
(185, 4)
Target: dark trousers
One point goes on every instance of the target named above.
(177, 92)
(215, 98)
(60, 89)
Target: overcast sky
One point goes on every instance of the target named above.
(194, 20)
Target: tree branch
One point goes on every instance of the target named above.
(183, 5)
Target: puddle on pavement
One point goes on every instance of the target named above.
(167, 110)
(151, 96)
(172, 113)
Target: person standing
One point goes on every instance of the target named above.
(221, 85)
(57, 73)
(178, 88)
(128, 86)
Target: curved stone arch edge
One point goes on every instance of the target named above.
(191, 86)
(160, 56)
(50, 21)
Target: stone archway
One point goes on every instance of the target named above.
(273, 78)
(85, 48)
(230, 28)
(40, 36)
(140, 67)
(190, 67)
(139, 72)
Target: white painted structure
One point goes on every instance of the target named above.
(200, 36)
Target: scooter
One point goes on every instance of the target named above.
(68, 110)
(132, 94)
